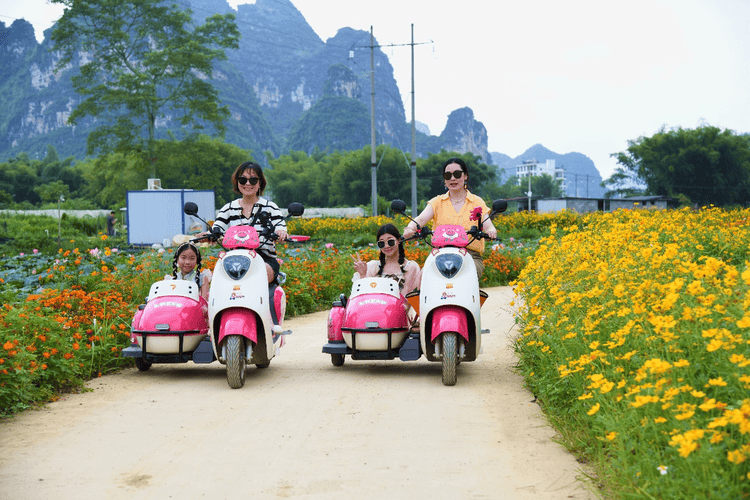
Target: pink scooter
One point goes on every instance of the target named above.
(245, 312)
(372, 324)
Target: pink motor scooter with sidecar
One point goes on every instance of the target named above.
(371, 324)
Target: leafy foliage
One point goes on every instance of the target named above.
(705, 165)
(143, 58)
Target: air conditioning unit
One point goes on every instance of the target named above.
(154, 184)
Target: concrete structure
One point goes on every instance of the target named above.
(583, 205)
(535, 168)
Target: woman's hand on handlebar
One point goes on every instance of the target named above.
(282, 234)
(408, 233)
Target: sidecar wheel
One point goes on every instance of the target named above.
(236, 361)
(142, 364)
(337, 359)
(450, 358)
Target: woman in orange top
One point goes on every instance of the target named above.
(458, 206)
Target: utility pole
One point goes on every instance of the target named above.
(529, 193)
(372, 124)
(413, 136)
(373, 159)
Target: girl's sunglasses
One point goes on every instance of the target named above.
(456, 174)
(391, 243)
(244, 180)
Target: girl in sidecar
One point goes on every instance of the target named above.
(172, 325)
(373, 322)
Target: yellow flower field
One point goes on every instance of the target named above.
(636, 339)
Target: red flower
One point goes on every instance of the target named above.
(476, 214)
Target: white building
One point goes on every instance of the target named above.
(535, 168)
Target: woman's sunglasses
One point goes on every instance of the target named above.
(456, 174)
(391, 243)
(244, 180)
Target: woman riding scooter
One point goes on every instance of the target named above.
(457, 206)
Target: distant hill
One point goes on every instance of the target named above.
(281, 81)
(583, 178)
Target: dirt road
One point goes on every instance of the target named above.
(299, 429)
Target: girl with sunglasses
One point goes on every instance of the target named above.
(248, 180)
(392, 262)
(457, 206)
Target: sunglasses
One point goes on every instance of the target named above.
(456, 174)
(391, 243)
(244, 180)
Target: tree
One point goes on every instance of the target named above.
(481, 175)
(546, 186)
(199, 162)
(705, 165)
(143, 58)
(53, 191)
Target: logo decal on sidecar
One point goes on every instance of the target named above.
(236, 296)
(372, 301)
(447, 295)
(168, 304)
(236, 287)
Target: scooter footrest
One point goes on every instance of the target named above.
(336, 348)
(411, 350)
(204, 353)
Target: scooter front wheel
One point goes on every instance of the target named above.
(450, 358)
(236, 361)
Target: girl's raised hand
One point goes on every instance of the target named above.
(359, 265)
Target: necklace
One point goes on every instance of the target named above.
(247, 205)
(457, 201)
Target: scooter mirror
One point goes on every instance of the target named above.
(296, 209)
(499, 206)
(398, 206)
(190, 208)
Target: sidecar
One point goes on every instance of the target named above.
(371, 324)
(171, 327)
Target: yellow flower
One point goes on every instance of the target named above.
(594, 409)
(717, 381)
(611, 436)
(736, 456)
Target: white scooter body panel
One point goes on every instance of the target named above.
(249, 292)
(462, 290)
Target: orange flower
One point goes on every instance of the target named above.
(8, 346)
(44, 366)
(76, 346)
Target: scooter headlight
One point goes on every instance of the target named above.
(236, 266)
(449, 264)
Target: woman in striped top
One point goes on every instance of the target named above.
(249, 181)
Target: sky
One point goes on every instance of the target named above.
(581, 76)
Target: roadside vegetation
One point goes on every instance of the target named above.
(633, 327)
(636, 341)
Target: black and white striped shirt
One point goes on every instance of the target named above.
(231, 215)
